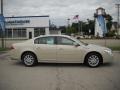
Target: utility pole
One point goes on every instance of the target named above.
(118, 14)
(68, 27)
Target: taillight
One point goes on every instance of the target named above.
(12, 47)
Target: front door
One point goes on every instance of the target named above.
(67, 51)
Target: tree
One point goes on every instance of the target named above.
(63, 29)
(75, 27)
(83, 26)
(91, 26)
(109, 21)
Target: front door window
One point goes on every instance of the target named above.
(65, 41)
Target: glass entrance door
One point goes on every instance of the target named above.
(30, 35)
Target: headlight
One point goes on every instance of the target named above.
(108, 51)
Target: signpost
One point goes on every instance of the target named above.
(2, 28)
(2, 24)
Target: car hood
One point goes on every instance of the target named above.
(96, 47)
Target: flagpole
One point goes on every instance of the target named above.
(81, 28)
(68, 22)
(78, 26)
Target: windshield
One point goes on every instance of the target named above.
(79, 41)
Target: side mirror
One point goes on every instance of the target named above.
(76, 44)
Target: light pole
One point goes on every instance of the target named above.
(68, 27)
(68, 22)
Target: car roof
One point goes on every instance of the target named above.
(52, 35)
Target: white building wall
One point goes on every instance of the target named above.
(47, 32)
(59, 32)
(119, 31)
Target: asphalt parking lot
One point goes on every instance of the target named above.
(15, 76)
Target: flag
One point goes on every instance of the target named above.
(2, 22)
(76, 17)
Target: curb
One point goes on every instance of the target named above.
(2, 52)
(116, 51)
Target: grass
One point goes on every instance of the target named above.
(115, 48)
(4, 49)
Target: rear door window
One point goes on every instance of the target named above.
(45, 40)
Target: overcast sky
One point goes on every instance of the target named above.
(59, 10)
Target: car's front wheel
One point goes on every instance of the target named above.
(29, 59)
(93, 60)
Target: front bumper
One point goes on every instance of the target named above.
(107, 57)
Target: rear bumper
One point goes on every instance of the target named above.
(14, 55)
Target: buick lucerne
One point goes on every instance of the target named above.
(60, 49)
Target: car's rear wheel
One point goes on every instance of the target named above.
(93, 60)
(29, 59)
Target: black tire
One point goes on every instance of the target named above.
(29, 59)
(93, 60)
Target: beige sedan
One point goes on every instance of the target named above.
(60, 49)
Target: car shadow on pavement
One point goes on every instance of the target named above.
(107, 64)
(18, 63)
(53, 64)
(62, 64)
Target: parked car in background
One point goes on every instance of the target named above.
(60, 49)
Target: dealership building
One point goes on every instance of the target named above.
(21, 28)
(26, 26)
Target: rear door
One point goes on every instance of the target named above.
(46, 48)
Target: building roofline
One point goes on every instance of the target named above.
(26, 16)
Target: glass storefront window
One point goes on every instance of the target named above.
(0, 32)
(16, 33)
(23, 32)
(8, 33)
